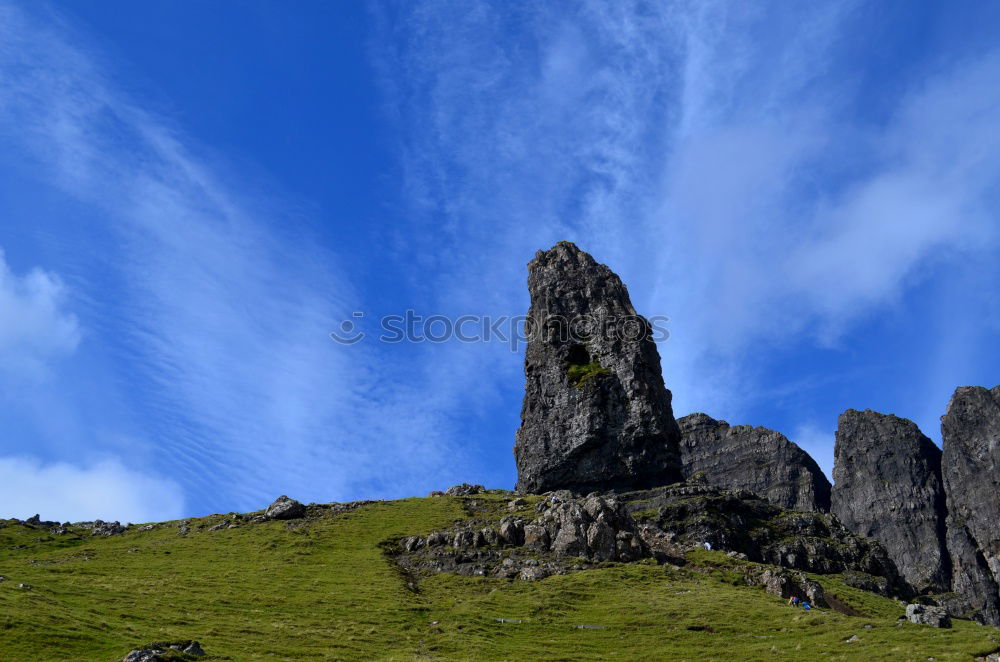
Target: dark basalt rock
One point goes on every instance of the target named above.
(971, 469)
(596, 414)
(887, 486)
(756, 459)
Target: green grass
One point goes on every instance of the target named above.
(326, 591)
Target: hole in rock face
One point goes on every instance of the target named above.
(578, 355)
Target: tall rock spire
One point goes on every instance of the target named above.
(596, 414)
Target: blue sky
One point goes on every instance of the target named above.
(193, 195)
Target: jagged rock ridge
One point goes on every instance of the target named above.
(887, 486)
(756, 459)
(596, 414)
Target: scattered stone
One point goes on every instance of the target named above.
(928, 615)
(435, 493)
(852, 639)
(26, 587)
(146, 527)
(284, 508)
(464, 490)
(596, 414)
(161, 652)
(756, 459)
(516, 504)
(887, 486)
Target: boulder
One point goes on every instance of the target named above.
(888, 486)
(927, 615)
(970, 466)
(596, 414)
(756, 459)
(284, 508)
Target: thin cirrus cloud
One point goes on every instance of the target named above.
(219, 319)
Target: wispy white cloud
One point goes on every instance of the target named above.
(35, 326)
(103, 490)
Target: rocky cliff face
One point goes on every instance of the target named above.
(971, 470)
(596, 413)
(887, 486)
(756, 459)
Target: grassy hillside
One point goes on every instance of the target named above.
(323, 589)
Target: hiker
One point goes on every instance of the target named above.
(794, 601)
(805, 605)
(707, 545)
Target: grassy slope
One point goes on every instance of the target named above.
(325, 591)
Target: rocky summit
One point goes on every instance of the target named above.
(887, 486)
(756, 459)
(596, 413)
(970, 430)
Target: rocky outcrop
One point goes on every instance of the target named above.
(570, 534)
(566, 535)
(756, 459)
(887, 486)
(971, 469)
(596, 414)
